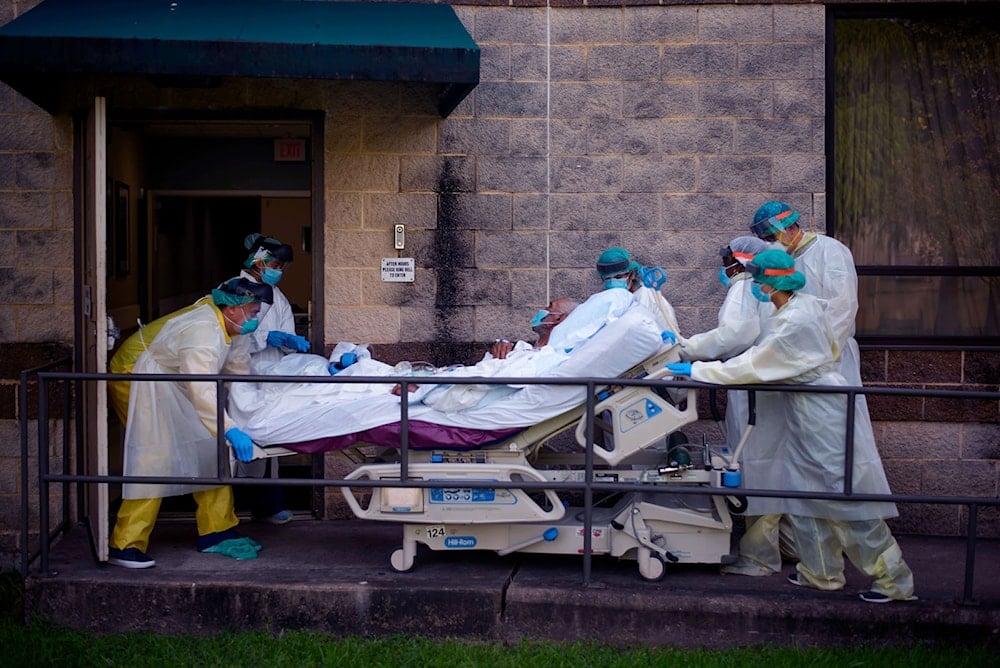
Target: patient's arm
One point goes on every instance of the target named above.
(410, 387)
(501, 348)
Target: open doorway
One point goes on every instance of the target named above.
(183, 196)
(197, 242)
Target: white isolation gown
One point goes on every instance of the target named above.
(739, 326)
(171, 427)
(828, 266)
(799, 347)
(660, 307)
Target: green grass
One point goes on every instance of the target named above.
(11, 598)
(41, 644)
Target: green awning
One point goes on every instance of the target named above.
(61, 40)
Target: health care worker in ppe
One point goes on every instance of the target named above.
(799, 346)
(740, 315)
(617, 269)
(275, 336)
(739, 327)
(171, 427)
(828, 267)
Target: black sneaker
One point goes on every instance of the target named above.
(793, 578)
(131, 557)
(874, 597)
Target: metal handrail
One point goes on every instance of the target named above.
(588, 485)
(22, 418)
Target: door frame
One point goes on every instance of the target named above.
(91, 351)
(91, 169)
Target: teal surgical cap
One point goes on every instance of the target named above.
(239, 291)
(615, 260)
(776, 268)
(773, 217)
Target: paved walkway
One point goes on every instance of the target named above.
(334, 577)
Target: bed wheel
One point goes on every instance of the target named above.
(655, 571)
(399, 562)
(737, 504)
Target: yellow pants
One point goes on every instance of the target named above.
(869, 545)
(137, 517)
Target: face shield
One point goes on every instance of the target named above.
(767, 229)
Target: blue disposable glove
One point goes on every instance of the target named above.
(653, 277)
(242, 444)
(278, 339)
(723, 277)
(346, 360)
(680, 368)
(668, 337)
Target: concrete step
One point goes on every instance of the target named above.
(334, 577)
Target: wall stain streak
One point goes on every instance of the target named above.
(446, 256)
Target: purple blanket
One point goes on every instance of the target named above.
(423, 436)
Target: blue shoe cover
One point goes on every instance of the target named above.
(280, 517)
(234, 548)
(251, 542)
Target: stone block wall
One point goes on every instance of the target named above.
(657, 127)
(660, 128)
(36, 285)
(934, 446)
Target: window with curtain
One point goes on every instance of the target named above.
(915, 187)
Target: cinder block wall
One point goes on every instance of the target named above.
(36, 282)
(657, 127)
(660, 128)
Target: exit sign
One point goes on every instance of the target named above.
(289, 150)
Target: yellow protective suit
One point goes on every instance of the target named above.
(171, 427)
(215, 512)
(800, 347)
(828, 266)
(123, 361)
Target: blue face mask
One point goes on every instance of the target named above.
(270, 276)
(539, 317)
(249, 326)
(760, 295)
(610, 283)
(722, 277)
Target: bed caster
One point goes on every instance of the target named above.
(399, 561)
(737, 504)
(653, 569)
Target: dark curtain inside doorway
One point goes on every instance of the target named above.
(917, 170)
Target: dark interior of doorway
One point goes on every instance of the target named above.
(199, 242)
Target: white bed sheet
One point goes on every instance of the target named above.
(279, 413)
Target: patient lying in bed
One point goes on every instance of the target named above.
(602, 338)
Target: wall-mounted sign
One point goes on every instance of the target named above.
(289, 150)
(398, 269)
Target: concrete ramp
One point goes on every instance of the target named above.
(334, 577)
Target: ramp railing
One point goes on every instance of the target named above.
(589, 486)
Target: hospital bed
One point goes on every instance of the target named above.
(632, 426)
(683, 514)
